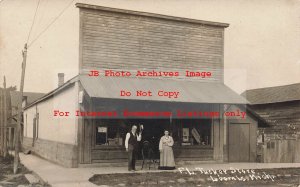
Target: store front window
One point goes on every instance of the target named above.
(110, 132)
(193, 132)
(185, 132)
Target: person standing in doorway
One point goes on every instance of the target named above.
(166, 152)
(131, 145)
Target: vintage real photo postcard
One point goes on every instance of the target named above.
(149, 93)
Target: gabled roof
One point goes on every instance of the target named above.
(273, 94)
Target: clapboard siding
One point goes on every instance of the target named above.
(280, 115)
(114, 40)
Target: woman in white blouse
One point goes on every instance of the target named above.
(166, 152)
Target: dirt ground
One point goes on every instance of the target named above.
(261, 177)
(9, 179)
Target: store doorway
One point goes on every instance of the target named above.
(152, 132)
(239, 142)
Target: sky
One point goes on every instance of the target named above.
(262, 43)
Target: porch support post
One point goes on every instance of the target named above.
(218, 134)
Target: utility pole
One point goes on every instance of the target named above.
(18, 128)
(1, 122)
(5, 119)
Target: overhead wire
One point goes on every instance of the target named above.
(37, 6)
(53, 21)
(43, 9)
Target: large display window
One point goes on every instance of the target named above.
(185, 132)
(110, 132)
(196, 132)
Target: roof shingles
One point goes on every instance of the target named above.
(273, 94)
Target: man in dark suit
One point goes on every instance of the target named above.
(131, 145)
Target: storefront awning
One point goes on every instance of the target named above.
(188, 91)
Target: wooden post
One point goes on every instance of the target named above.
(5, 119)
(9, 138)
(18, 128)
(1, 122)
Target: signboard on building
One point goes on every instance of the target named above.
(102, 129)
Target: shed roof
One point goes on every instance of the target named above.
(55, 91)
(190, 91)
(273, 94)
(147, 14)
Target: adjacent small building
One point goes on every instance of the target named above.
(83, 121)
(280, 107)
(12, 102)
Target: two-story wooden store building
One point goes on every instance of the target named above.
(125, 40)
